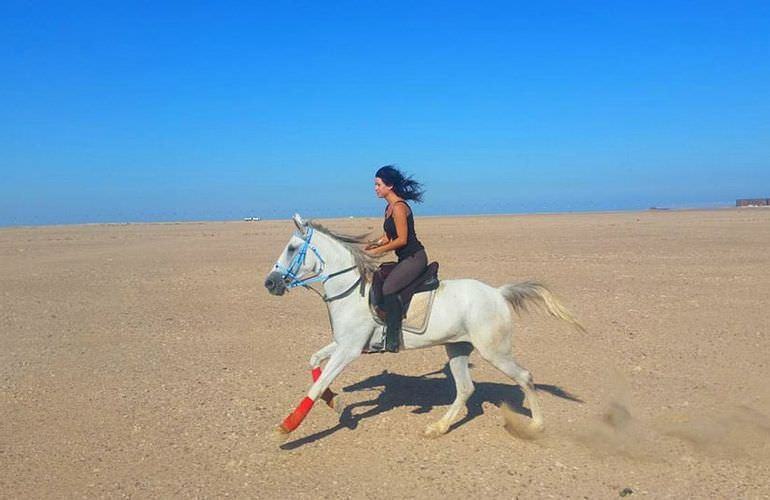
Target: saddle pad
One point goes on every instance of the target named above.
(417, 315)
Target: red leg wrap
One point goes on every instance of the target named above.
(297, 416)
(328, 395)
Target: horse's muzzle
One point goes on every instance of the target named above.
(275, 284)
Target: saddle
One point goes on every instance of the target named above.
(425, 282)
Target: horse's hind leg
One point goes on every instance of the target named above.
(506, 364)
(458, 363)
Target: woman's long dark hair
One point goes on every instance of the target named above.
(403, 185)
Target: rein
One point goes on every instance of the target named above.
(299, 260)
(346, 292)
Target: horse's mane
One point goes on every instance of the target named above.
(365, 263)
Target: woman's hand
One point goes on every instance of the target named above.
(376, 244)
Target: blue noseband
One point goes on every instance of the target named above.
(298, 261)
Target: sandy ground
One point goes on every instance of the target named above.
(148, 361)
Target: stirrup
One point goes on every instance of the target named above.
(375, 346)
(393, 347)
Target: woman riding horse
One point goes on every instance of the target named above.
(390, 183)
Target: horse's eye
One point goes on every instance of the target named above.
(292, 248)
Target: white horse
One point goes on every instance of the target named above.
(466, 314)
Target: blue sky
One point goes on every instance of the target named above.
(149, 111)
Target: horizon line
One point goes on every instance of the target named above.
(714, 207)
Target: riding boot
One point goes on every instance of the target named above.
(394, 310)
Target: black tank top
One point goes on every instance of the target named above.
(413, 245)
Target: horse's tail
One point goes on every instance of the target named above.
(521, 295)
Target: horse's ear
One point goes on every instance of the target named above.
(301, 224)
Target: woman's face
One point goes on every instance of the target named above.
(380, 188)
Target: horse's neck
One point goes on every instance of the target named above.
(341, 258)
(337, 257)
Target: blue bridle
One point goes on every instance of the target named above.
(299, 260)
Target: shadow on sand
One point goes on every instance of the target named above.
(425, 392)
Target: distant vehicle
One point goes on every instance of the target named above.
(752, 202)
(251, 219)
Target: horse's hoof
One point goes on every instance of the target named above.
(433, 431)
(521, 427)
(524, 429)
(337, 404)
(281, 433)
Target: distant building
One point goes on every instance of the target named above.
(752, 202)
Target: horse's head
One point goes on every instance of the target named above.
(298, 262)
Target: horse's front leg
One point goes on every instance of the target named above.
(319, 357)
(331, 398)
(342, 356)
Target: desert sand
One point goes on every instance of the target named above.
(148, 361)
